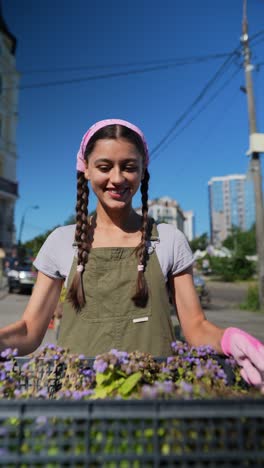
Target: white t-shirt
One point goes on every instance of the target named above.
(57, 253)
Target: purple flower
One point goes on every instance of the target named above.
(3, 451)
(199, 372)
(186, 387)
(100, 365)
(8, 366)
(170, 359)
(6, 352)
(41, 420)
(3, 431)
(43, 393)
(88, 372)
(122, 356)
(149, 391)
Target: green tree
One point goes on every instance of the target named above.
(200, 242)
(70, 220)
(242, 243)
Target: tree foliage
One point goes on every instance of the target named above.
(240, 242)
(200, 242)
(232, 269)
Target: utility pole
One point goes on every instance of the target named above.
(256, 147)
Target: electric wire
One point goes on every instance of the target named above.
(180, 61)
(205, 105)
(166, 140)
(196, 101)
(160, 66)
(97, 77)
(255, 36)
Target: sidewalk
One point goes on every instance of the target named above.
(251, 322)
(3, 286)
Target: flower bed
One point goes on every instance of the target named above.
(130, 410)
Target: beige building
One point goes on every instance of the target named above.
(9, 79)
(167, 210)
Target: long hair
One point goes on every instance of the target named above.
(76, 294)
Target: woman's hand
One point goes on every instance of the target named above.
(27, 333)
(248, 352)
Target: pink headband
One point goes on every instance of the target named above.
(103, 123)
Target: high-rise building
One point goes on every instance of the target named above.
(189, 225)
(8, 119)
(231, 203)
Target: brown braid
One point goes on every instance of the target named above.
(140, 298)
(76, 294)
(83, 239)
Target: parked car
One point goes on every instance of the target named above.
(21, 278)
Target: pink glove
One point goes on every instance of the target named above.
(248, 353)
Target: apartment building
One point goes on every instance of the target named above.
(167, 210)
(9, 79)
(231, 203)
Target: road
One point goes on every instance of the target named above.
(223, 310)
(11, 309)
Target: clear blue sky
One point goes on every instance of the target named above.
(64, 40)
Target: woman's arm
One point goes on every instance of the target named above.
(195, 327)
(27, 333)
(247, 351)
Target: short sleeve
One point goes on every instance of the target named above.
(56, 254)
(182, 253)
(173, 250)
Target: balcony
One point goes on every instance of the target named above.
(8, 187)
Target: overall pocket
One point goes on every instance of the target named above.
(109, 289)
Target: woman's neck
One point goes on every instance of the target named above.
(127, 220)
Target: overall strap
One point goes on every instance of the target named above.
(154, 235)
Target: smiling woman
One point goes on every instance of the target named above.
(117, 267)
(117, 177)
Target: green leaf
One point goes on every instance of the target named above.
(99, 393)
(130, 383)
(115, 384)
(102, 377)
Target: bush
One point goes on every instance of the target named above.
(232, 269)
(252, 299)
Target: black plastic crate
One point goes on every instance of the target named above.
(132, 433)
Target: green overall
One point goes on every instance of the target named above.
(110, 319)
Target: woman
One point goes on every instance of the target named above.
(117, 266)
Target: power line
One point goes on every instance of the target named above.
(196, 101)
(261, 39)
(174, 60)
(167, 64)
(98, 77)
(212, 98)
(255, 36)
(181, 61)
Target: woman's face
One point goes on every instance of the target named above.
(115, 170)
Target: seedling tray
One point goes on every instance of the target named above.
(132, 433)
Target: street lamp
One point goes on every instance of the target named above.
(34, 207)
